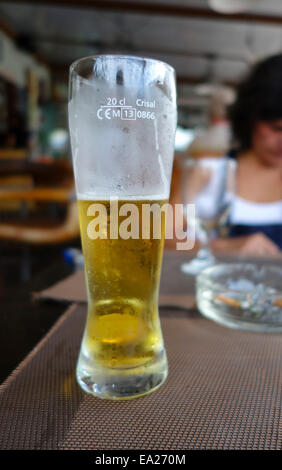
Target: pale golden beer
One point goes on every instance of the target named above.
(122, 275)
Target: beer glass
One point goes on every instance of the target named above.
(122, 120)
(208, 183)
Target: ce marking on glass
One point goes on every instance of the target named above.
(121, 112)
(116, 109)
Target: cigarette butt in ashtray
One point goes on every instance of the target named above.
(230, 301)
(236, 303)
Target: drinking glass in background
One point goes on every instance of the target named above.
(122, 117)
(209, 184)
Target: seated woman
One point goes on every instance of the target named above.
(256, 120)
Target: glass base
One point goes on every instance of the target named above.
(203, 260)
(122, 384)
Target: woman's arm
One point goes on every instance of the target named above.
(256, 244)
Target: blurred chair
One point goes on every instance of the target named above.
(13, 154)
(23, 231)
(52, 183)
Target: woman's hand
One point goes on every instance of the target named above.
(256, 244)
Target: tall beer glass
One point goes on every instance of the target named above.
(122, 118)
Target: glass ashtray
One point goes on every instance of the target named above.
(242, 296)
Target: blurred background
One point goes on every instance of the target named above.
(211, 44)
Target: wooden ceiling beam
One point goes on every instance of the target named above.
(154, 9)
(134, 49)
(7, 29)
(11, 33)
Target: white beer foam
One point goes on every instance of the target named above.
(95, 197)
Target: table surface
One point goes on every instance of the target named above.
(223, 391)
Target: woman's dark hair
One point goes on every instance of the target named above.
(259, 98)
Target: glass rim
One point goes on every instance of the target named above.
(118, 56)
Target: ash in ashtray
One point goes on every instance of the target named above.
(242, 284)
(255, 300)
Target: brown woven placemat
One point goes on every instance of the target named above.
(223, 392)
(72, 289)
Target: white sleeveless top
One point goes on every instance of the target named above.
(245, 212)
